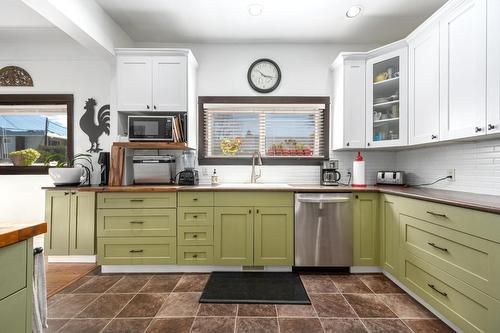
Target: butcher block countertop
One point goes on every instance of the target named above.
(11, 233)
(482, 202)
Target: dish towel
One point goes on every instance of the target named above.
(39, 292)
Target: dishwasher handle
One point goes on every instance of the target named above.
(324, 201)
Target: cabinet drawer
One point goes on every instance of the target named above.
(465, 306)
(136, 251)
(246, 199)
(195, 235)
(191, 216)
(136, 222)
(13, 313)
(136, 200)
(477, 223)
(198, 199)
(13, 268)
(471, 259)
(195, 255)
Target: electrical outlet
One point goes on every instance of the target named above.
(451, 172)
(204, 171)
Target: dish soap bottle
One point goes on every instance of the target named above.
(358, 171)
(215, 178)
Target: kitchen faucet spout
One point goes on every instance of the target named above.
(255, 176)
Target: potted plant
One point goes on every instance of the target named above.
(70, 172)
(25, 157)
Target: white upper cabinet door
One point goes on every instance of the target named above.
(423, 87)
(170, 83)
(463, 71)
(493, 95)
(354, 104)
(134, 83)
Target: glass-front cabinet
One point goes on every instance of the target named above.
(386, 99)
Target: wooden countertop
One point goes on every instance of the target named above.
(11, 233)
(482, 202)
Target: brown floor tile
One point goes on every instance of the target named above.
(350, 284)
(343, 325)
(256, 310)
(300, 325)
(164, 283)
(55, 324)
(405, 307)
(318, 284)
(70, 305)
(213, 325)
(54, 299)
(381, 285)
(428, 326)
(130, 284)
(171, 325)
(84, 326)
(99, 284)
(386, 326)
(369, 306)
(257, 325)
(106, 306)
(127, 326)
(95, 271)
(331, 305)
(75, 285)
(192, 283)
(217, 310)
(291, 310)
(180, 305)
(143, 305)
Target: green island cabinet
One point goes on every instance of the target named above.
(70, 216)
(366, 250)
(389, 234)
(16, 287)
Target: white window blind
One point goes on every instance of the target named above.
(275, 130)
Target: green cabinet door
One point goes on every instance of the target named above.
(389, 220)
(273, 242)
(82, 224)
(233, 236)
(57, 216)
(365, 230)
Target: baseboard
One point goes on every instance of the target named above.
(366, 269)
(72, 259)
(421, 301)
(182, 269)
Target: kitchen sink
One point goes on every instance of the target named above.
(254, 185)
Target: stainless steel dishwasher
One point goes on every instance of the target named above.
(323, 229)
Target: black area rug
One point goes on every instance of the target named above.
(254, 287)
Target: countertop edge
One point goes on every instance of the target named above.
(18, 232)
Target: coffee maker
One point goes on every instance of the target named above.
(329, 174)
(188, 176)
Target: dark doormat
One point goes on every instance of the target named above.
(254, 287)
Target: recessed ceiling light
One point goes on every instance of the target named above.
(353, 11)
(255, 9)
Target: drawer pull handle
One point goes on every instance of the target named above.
(433, 287)
(195, 216)
(436, 214)
(195, 236)
(137, 222)
(438, 247)
(136, 200)
(195, 256)
(249, 211)
(66, 193)
(136, 251)
(195, 199)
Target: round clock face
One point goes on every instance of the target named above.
(264, 75)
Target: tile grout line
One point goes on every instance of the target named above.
(236, 317)
(314, 308)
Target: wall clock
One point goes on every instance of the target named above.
(264, 75)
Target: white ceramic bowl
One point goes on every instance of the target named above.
(66, 176)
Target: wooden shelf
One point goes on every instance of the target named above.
(152, 145)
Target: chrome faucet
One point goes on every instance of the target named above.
(254, 176)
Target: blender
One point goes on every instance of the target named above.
(188, 176)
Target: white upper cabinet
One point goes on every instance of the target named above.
(493, 80)
(423, 87)
(463, 71)
(170, 83)
(134, 83)
(348, 104)
(386, 99)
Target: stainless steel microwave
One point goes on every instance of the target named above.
(150, 128)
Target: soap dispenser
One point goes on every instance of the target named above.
(215, 178)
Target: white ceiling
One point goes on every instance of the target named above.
(191, 21)
(14, 14)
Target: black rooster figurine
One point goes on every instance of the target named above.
(87, 123)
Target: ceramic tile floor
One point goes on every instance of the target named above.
(168, 303)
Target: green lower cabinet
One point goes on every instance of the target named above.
(136, 251)
(13, 268)
(389, 222)
(233, 235)
(57, 216)
(195, 255)
(195, 235)
(13, 314)
(273, 242)
(366, 250)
